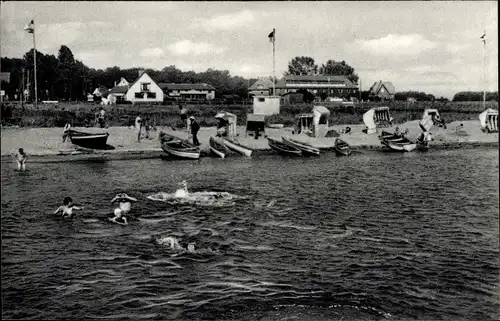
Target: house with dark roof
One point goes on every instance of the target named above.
(331, 86)
(262, 87)
(383, 90)
(185, 91)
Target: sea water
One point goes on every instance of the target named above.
(420, 239)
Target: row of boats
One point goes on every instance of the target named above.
(223, 146)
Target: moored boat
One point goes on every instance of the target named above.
(305, 148)
(342, 148)
(218, 148)
(404, 145)
(87, 140)
(235, 146)
(283, 148)
(177, 147)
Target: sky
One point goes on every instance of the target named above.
(430, 46)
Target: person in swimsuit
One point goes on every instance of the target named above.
(68, 207)
(21, 159)
(124, 206)
(182, 191)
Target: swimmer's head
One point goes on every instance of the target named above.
(21, 150)
(191, 247)
(67, 200)
(118, 212)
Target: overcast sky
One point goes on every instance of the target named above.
(426, 46)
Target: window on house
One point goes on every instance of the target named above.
(139, 95)
(151, 95)
(261, 100)
(145, 86)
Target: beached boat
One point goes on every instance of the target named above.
(235, 146)
(342, 148)
(305, 148)
(283, 148)
(403, 145)
(218, 148)
(177, 147)
(87, 140)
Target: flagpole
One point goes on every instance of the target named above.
(34, 63)
(274, 62)
(484, 71)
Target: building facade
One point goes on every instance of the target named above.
(383, 89)
(261, 87)
(198, 91)
(328, 86)
(144, 89)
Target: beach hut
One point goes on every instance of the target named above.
(489, 120)
(227, 124)
(314, 124)
(256, 124)
(431, 118)
(376, 118)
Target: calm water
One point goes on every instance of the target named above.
(422, 239)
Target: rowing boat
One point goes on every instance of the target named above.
(342, 148)
(235, 146)
(87, 140)
(177, 147)
(305, 148)
(283, 148)
(218, 148)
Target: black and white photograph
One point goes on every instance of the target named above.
(249, 160)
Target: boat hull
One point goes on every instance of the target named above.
(218, 148)
(180, 152)
(342, 148)
(232, 145)
(306, 149)
(400, 147)
(89, 140)
(282, 148)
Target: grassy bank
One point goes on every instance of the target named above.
(124, 115)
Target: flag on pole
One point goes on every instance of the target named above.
(30, 28)
(271, 36)
(483, 37)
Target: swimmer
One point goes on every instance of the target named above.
(124, 203)
(174, 244)
(118, 218)
(21, 159)
(67, 207)
(182, 192)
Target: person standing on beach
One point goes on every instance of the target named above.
(21, 159)
(138, 127)
(195, 127)
(102, 121)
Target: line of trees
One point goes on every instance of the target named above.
(66, 78)
(306, 66)
(475, 96)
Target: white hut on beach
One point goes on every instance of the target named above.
(376, 118)
(489, 120)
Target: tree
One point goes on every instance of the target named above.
(335, 68)
(66, 70)
(302, 66)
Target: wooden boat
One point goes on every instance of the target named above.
(283, 148)
(342, 148)
(179, 148)
(404, 145)
(390, 136)
(235, 146)
(305, 148)
(218, 148)
(87, 140)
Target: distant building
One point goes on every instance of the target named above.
(198, 91)
(144, 89)
(117, 94)
(101, 91)
(331, 86)
(261, 87)
(383, 89)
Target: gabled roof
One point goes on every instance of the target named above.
(119, 90)
(186, 86)
(334, 79)
(378, 85)
(265, 82)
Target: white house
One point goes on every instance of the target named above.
(144, 89)
(266, 105)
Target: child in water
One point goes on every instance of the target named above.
(67, 207)
(21, 159)
(124, 206)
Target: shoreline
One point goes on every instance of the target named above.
(45, 144)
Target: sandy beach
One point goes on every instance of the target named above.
(47, 143)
